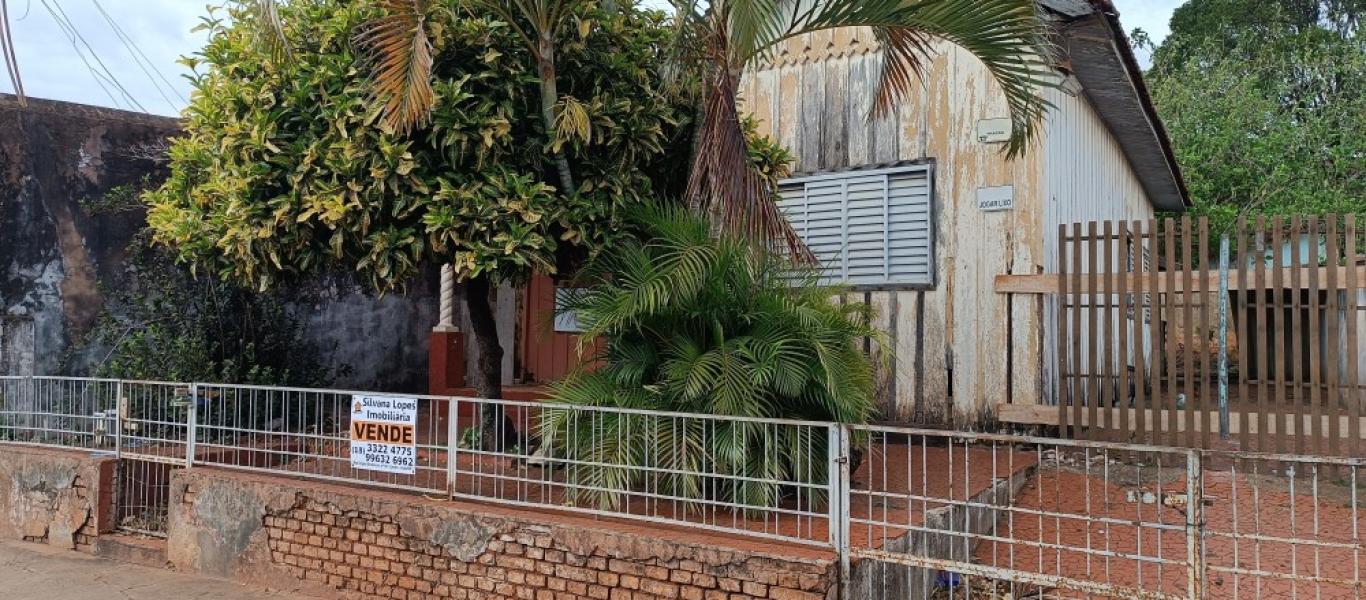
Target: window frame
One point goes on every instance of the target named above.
(928, 166)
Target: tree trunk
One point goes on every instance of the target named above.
(499, 433)
(545, 64)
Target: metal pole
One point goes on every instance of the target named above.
(1195, 525)
(1223, 337)
(190, 432)
(452, 444)
(838, 450)
(118, 419)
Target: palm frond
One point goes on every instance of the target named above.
(270, 29)
(399, 54)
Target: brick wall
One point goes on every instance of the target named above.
(350, 542)
(63, 498)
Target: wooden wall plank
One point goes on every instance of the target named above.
(1352, 384)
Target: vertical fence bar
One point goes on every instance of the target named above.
(452, 444)
(1108, 393)
(838, 501)
(1172, 435)
(1126, 308)
(1189, 371)
(1223, 337)
(1093, 372)
(1295, 404)
(1351, 298)
(1332, 354)
(1195, 524)
(1275, 348)
(1064, 343)
(1142, 312)
(1243, 327)
(1207, 371)
(191, 430)
(118, 420)
(1317, 442)
(1078, 385)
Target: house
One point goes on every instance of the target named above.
(920, 211)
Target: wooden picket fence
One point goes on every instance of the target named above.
(1138, 333)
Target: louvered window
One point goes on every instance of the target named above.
(868, 228)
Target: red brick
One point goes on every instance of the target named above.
(659, 588)
(758, 590)
(778, 593)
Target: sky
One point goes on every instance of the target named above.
(138, 42)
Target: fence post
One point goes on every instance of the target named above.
(838, 504)
(1195, 524)
(1223, 337)
(190, 430)
(452, 443)
(118, 419)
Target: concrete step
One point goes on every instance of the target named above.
(133, 549)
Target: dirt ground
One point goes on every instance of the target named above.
(1268, 535)
(30, 571)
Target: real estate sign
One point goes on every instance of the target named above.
(384, 434)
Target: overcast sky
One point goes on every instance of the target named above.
(69, 50)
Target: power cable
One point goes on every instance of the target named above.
(140, 58)
(74, 34)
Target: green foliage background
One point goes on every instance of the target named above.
(284, 169)
(1265, 103)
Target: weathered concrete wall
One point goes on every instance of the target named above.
(58, 263)
(349, 542)
(62, 498)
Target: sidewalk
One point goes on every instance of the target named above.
(32, 571)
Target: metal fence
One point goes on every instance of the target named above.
(907, 513)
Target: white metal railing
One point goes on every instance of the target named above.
(907, 512)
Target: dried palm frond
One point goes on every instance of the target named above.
(399, 54)
(7, 52)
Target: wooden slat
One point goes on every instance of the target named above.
(1277, 355)
(1206, 279)
(1102, 373)
(1243, 329)
(1126, 304)
(1188, 361)
(1317, 436)
(1207, 374)
(1154, 325)
(1093, 382)
(1332, 399)
(1350, 354)
(1064, 340)
(1264, 368)
(1077, 385)
(1140, 361)
(1169, 313)
(1293, 400)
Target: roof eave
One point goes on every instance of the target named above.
(1103, 61)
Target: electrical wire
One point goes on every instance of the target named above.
(74, 35)
(140, 58)
(7, 50)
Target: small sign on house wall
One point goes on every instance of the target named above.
(992, 199)
(993, 131)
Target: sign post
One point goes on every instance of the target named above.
(384, 434)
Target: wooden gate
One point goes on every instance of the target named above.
(1139, 348)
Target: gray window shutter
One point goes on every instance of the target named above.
(869, 228)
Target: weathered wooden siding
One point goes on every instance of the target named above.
(1086, 178)
(960, 348)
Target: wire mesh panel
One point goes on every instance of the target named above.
(1282, 526)
(54, 411)
(154, 435)
(948, 515)
(764, 478)
(307, 432)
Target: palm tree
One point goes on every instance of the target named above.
(728, 36)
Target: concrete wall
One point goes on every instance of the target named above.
(59, 497)
(58, 263)
(348, 542)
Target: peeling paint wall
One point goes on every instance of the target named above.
(958, 349)
(338, 541)
(57, 263)
(57, 497)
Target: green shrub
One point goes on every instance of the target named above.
(698, 324)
